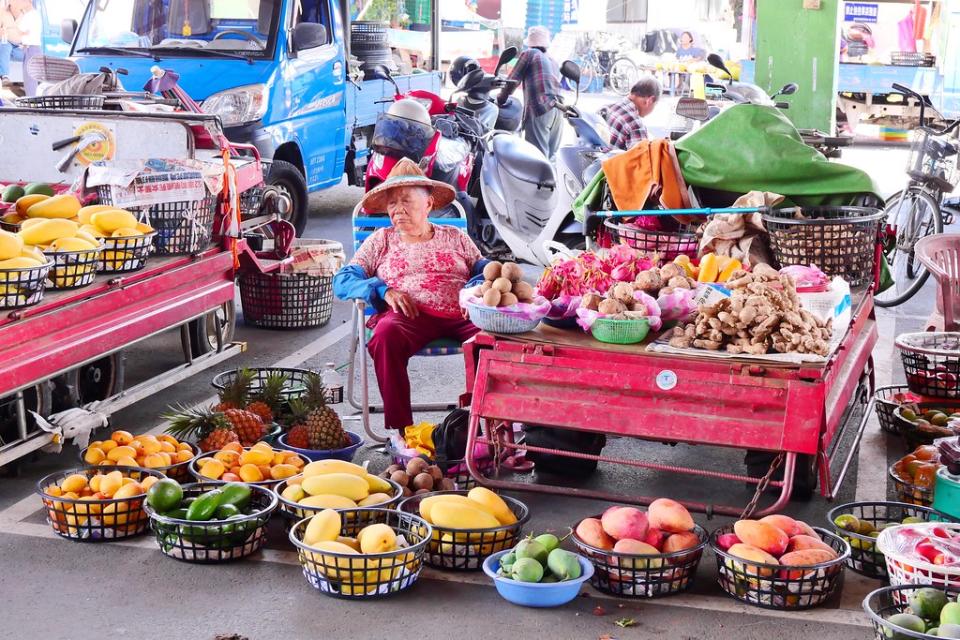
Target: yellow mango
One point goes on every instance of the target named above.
(374, 499)
(492, 504)
(293, 493)
(110, 483)
(110, 221)
(341, 484)
(427, 504)
(125, 232)
(94, 455)
(250, 473)
(377, 538)
(144, 228)
(709, 268)
(128, 491)
(451, 515)
(12, 218)
(83, 235)
(212, 469)
(378, 484)
(24, 203)
(340, 566)
(328, 501)
(93, 231)
(256, 457)
(323, 526)
(732, 265)
(282, 471)
(121, 451)
(63, 206)
(10, 245)
(85, 213)
(116, 513)
(72, 244)
(74, 482)
(46, 231)
(322, 467)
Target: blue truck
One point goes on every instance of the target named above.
(277, 72)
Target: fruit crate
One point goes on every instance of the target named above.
(885, 602)
(911, 493)
(96, 520)
(286, 300)
(931, 361)
(24, 286)
(638, 576)
(864, 557)
(916, 433)
(366, 576)
(885, 403)
(123, 255)
(179, 471)
(904, 569)
(214, 541)
(772, 586)
(295, 387)
(466, 549)
(293, 511)
(195, 464)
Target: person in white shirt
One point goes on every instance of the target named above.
(21, 37)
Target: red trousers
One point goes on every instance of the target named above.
(396, 338)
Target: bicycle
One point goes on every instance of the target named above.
(918, 210)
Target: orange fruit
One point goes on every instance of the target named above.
(251, 473)
(167, 458)
(281, 471)
(94, 455)
(264, 470)
(167, 447)
(213, 470)
(184, 456)
(122, 451)
(73, 483)
(184, 446)
(151, 446)
(137, 446)
(230, 477)
(154, 461)
(228, 458)
(107, 445)
(53, 490)
(169, 439)
(121, 437)
(126, 461)
(232, 446)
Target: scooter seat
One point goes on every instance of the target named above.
(524, 161)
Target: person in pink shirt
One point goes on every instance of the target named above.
(412, 274)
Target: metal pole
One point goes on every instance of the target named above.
(347, 19)
(435, 34)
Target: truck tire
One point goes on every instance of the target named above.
(805, 475)
(203, 334)
(290, 181)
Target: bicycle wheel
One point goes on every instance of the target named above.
(623, 75)
(915, 216)
(587, 75)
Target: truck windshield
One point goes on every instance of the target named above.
(241, 28)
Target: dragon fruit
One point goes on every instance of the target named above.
(593, 272)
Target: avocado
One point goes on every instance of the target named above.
(13, 193)
(38, 188)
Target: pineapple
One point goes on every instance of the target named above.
(268, 399)
(236, 394)
(324, 429)
(247, 425)
(234, 398)
(299, 437)
(209, 428)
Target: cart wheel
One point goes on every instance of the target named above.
(203, 332)
(623, 74)
(290, 181)
(36, 398)
(100, 379)
(804, 476)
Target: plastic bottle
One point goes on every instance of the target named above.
(333, 382)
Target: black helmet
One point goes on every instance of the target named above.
(461, 67)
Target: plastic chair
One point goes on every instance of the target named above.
(940, 254)
(364, 225)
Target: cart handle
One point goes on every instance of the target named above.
(678, 212)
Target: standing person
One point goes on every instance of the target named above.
(687, 51)
(625, 117)
(23, 28)
(540, 75)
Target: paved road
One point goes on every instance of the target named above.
(60, 590)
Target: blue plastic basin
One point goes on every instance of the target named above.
(345, 453)
(533, 594)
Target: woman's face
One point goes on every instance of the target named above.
(686, 41)
(408, 208)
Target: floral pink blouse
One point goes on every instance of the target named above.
(431, 272)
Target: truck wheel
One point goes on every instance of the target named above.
(805, 475)
(100, 379)
(290, 181)
(203, 331)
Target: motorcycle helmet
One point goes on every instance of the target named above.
(511, 113)
(462, 66)
(410, 109)
(404, 131)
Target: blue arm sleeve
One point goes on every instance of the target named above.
(352, 283)
(476, 274)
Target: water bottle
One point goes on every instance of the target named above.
(333, 383)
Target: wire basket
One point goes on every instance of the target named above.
(668, 244)
(213, 541)
(643, 576)
(72, 102)
(915, 434)
(295, 386)
(620, 331)
(179, 471)
(183, 227)
(885, 403)
(367, 576)
(904, 569)
(887, 601)
(497, 321)
(864, 557)
(7, 225)
(466, 549)
(286, 300)
(73, 269)
(932, 158)
(123, 255)
(455, 470)
(931, 361)
(912, 59)
(24, 286)
(910, 493)
(772, 586)
(250, 202)
(293, 511)
(91, 520)
(841, 241)
(195, 466)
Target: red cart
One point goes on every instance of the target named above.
(565, 379)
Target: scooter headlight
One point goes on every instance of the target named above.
(241, 105)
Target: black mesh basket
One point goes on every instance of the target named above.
(885, 403)
(466, 549)
(887, 601)
(931, 362)
(367, 576)
(915, 434)
(72, 269)
(91, 520)
(353, 520)
(286, 300)
(73, 103)
(295, 387)
(772, 586)
(122, 255)
(841, 241)
(250, 202)
(179, 471)
(455, 470)
(910, 493)
(23, 287)
(195, 466)
(213, 541)
(865, 558)
(668, 244)
(6, 225)
(642, 576)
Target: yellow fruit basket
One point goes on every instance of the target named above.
(97, 504)
(72, 269)
(22, 282)
(293, 510)
(340, 571)
(248, 466)
(126, 253)
(464, 547)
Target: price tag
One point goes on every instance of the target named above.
(666, 380)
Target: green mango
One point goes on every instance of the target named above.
(906, 621)
(549, 541)
(224, 511)
(165, 495)
(13, 193)
(179, 514)
(530, 548)
(38, 188)
(236, 493)
(950, 613)
(927, 602)
(563, 564)
(949, 631)
(205, 506)
(527, 570)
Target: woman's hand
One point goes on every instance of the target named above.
(401, 303)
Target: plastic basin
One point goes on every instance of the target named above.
(533, 594)
(345, 453)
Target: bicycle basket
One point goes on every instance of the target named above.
(932, 159)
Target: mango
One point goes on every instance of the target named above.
(116, 513)
(110, 483)
(212, 469)
(751, 554)
(378, 485)
(323, 467)
(804, 558)
(590, 530)
(493, 504)
(120, 452)
(341, 484)
(18, 263)
(75, 482)
(669, 515)
(625, 522)
(426, 504)
(377, 538)
(374, 499)
(128, 491)
(144, 228)
(125, 232)
(350, 542)
(806, 530)
(950, 613)
(110, 221)
(637, 548)
(256, 457)
(804, 542)
(282, 471)
(12, 193)
(906, 621)
(785, 523)
(451, 515)
(325, 526)
(762, 536)
(24, 203)
(250, 473)
(928, 602)
(11, 245)
(63, 206)
(293, 493)
(46, 231)
(328, 501)
(72, 244)
(93, 231)
(680, 542)
(336, 566)
(85, 213)
(38, 188)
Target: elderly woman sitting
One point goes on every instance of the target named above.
(412, 274)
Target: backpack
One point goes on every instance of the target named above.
(565, 440)
(450, 437)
